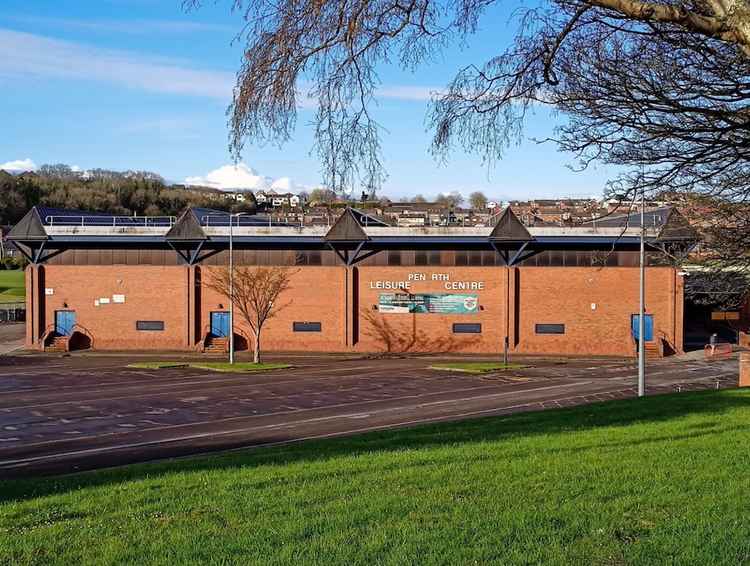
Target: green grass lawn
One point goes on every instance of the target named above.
(663, 480)
(237, 367)
(475, 367)
(12, 286)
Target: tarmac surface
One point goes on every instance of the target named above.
(65, 414)
(11, 337)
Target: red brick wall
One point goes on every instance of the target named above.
(316, 294)
(566, 296)
(327, 295)
(151, 293)
(432, 332)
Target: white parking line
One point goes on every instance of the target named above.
(320, 408)
(87, 451)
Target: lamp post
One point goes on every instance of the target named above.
(231, 284)
(642, 308)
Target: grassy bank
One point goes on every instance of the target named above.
(12, 287)
(237, 367)
(656, 481)
(475, 367)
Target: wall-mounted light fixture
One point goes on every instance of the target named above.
(221, 306)
(65, 304)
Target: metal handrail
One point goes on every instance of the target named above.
(113, 221)
(233, 219)
(47, 332)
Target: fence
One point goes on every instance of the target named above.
(12, 312)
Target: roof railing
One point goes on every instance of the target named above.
(113, 221)
(235, 219)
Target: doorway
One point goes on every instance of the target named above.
(648, 327)
(64, 322)
(220, 324)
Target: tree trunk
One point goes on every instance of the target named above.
(256, 349)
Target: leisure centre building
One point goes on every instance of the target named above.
(134, 283)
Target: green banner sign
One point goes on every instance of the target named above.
(438, 303)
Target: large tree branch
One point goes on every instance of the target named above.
(718, 26)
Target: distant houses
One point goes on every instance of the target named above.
(267, 199)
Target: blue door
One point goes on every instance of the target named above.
(64, 322)
(648, 326)
(220, 324)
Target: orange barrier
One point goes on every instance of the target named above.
(717, 351)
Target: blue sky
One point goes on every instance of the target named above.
(139, 84)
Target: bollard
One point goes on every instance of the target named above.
(744, 369)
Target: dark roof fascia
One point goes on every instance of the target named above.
(94, 239)
(588, 240)
(392, 240)
(269, 239)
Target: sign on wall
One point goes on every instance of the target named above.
(118, 299)
(437, 303)
(725, 315)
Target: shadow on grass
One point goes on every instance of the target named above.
(652, 410)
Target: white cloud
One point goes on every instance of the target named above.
(18, 166)
(285, 185)
(135, 27)
(240, 176)
(26, 54)
(230, 177)
(415, 93)
(38, 56)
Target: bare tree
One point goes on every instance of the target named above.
(322, 195)
(256, 295)
(658, 88)
(451, 200)
(477, 200)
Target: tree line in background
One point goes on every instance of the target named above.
(100, 190)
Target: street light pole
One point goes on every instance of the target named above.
(642, 308)
(231, 291)
(231, 283)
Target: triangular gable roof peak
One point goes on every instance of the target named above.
(677, 227)
(346, 229)
(30, 227)
(509, 228)
(187, 228)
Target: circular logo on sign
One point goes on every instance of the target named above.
(470, 303)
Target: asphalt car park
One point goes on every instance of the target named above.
(65, 414)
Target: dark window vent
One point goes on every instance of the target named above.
(306, 326)
(550, 329)
(467, 328)
(150, 325)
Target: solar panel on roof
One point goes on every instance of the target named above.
(51, 216)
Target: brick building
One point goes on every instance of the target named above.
(104, 282)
